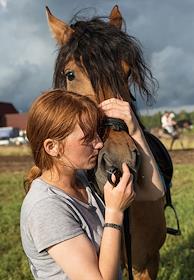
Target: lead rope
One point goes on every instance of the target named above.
(127, 234)
(126, 225)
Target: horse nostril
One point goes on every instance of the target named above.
(116, 172)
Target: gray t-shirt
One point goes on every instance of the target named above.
(50, 216)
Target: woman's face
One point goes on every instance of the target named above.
(78, 154)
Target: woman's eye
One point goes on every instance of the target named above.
(70, 75)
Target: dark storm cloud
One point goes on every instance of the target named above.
(164, 28)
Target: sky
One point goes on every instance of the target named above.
(164, 28)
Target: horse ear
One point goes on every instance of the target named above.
(61, 31)
(115, 17)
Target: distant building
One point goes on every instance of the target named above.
(15, 120)
(10, 117)
(6, 108)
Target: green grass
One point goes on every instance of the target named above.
(177, 255)
(13, 263)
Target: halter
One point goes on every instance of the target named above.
(115, 124)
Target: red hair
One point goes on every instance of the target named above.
(54, 115)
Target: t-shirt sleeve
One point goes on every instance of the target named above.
(51, 222)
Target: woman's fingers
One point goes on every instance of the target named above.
(114, 103)
(120, 197)
(116, 108)
(127, 177)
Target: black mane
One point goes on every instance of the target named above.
(102, 48)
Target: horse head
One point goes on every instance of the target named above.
(185, 124)
(98, 59)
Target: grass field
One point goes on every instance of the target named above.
(13, 264)
(186, 143)
(177, 255)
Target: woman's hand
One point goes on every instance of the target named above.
(117, 108)
(118, 198)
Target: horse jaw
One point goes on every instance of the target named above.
(118, 148)
(61, 31)
(115, 17)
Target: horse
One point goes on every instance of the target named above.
(98, 59)
(180, 128)
(161, 133)
(185, 124)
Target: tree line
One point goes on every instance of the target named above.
(153, 121)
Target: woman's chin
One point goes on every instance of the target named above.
(91, 164)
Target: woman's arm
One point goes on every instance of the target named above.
(77, 256)
(150, 185)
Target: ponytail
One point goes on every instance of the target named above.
(34, 173)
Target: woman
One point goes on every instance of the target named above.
(67, 232)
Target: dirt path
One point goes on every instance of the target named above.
(23, 163)
(15, 163)
(182, 156)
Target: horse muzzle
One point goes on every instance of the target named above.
(111, 157)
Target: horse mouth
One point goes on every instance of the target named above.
(107, 163)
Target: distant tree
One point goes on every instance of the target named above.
(192, 116)
(155, 120)
(151, 121)
(182, 115)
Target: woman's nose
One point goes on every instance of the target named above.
(98, 144)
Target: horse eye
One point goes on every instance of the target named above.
(70, 75)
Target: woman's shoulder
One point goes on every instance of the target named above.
(37, 192)
(41, 198)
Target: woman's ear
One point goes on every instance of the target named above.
(51, 147)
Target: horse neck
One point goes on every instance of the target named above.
(131, 100)
(137, 116)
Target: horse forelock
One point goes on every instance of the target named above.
(100, 50)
